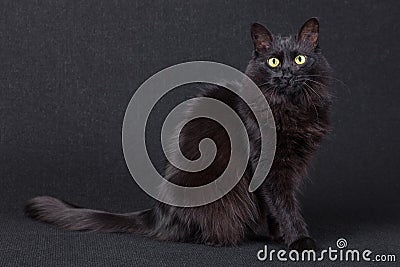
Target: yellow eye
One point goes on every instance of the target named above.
(300, 59)
(273, 62)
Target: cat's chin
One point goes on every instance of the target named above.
(290, 90)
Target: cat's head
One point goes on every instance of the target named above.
(288, 66)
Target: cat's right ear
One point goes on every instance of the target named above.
(262, 38)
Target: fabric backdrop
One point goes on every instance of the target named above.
(69, 69)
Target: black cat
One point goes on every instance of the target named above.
(294, 77)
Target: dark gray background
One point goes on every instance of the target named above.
(68, 70)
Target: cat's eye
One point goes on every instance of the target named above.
(273, 62)
(300, 59)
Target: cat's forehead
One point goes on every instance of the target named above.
(285, 43)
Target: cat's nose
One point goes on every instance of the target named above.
(285, 80)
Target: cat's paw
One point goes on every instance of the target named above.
(304, 243)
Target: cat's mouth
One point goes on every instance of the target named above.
(288, 88)
(285, 87)
(285, 84)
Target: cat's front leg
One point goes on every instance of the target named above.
(280, 196)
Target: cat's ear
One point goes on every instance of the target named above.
(262, 38)
(309, 32)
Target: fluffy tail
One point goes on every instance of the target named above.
(71, 217)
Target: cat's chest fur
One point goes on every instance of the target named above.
(295, 119)
(299, 130)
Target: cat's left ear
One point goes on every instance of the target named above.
(309, 32)
(262, 38)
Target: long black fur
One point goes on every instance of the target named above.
(300, 100)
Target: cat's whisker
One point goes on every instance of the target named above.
(307, 79)
(263, 84)
(324, 76)
(272, 88)
(319, 83)
(275, 92)
(315, 92)
(309, 100)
